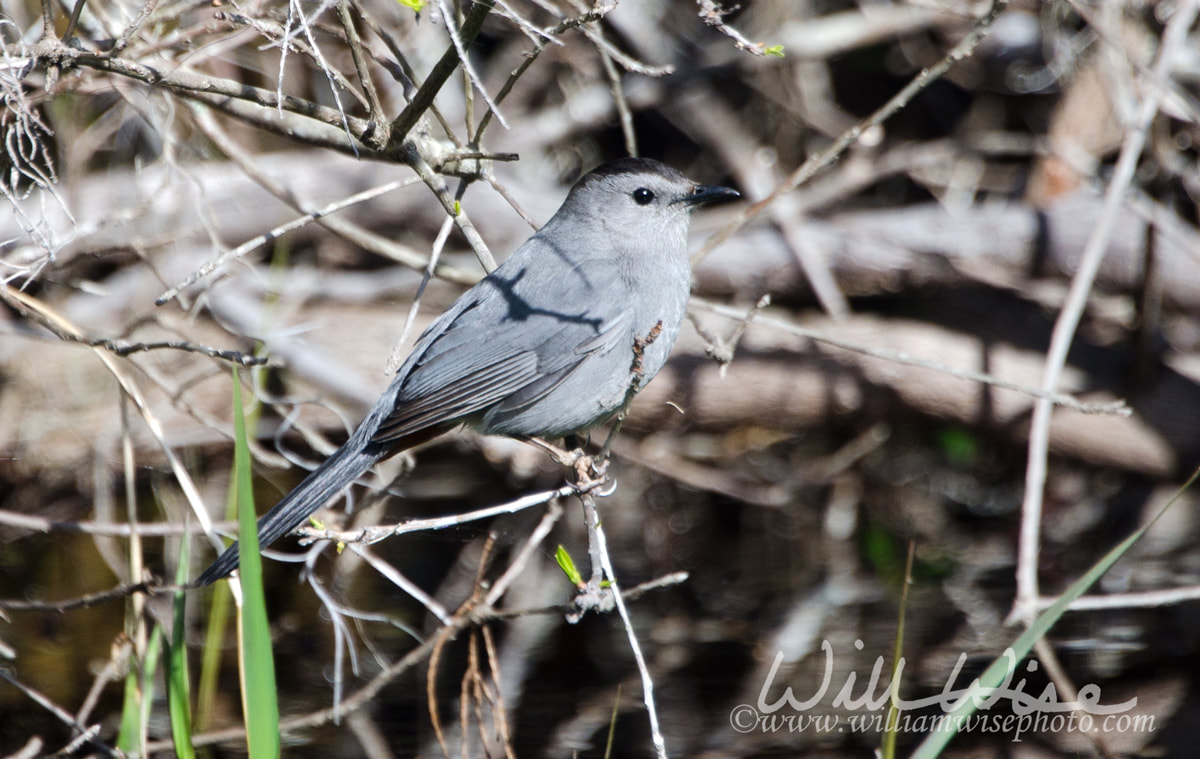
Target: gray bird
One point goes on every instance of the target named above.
(546, 345)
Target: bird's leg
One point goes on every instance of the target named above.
(588, 469)
(564, 456)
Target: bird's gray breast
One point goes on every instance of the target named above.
(579, 318)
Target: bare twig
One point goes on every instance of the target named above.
(518, 563)
(188, 83)
(656, 737)
(623, 112)
(1118, 408)
(364, 73)
(147, 9)
(437, 184)
(553, 33)
(402, 582)
(531, 31)
(626, 61)
(374, 534)
(1133, 600)
(87, 734)
(73, 20)
(48, 19)
(113, 669)
(465, 60)
(439, 243)
(123, 348)
(119, 593)
(450, 60)
(347, 229)
(720, 349)
(324, 67)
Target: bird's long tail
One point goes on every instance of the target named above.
(345, 466)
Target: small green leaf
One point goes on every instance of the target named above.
(457, 208)
(775, 51)
(567, 564)
(416, 5)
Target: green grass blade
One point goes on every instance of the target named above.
(1002, 668)
(153, 654)
(259, 701)
(139, 696)
(887, 749)
(210, 656)
(127, 735)
(178, 683)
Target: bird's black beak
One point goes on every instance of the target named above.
(704, 194)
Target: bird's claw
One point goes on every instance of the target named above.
(590, 470)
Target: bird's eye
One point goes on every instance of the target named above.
(642, 196)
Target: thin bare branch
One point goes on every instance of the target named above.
(1116, 408)
(376, 533)
(360, 65)
(253, 244)
(465, 60)
(24, 303)
(349, 230)
(111, 529)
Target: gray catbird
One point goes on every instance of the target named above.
(546, 345)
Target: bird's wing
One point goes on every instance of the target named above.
(472, 390)
(498, 345)
(609, 336)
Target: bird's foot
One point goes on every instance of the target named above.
(590, 470)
